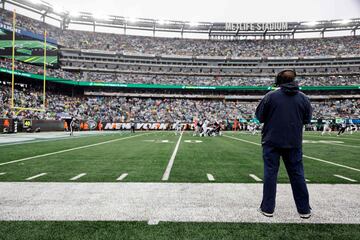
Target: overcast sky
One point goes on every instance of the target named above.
(223, 10)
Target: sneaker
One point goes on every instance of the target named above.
(305, 216)
(265, 213)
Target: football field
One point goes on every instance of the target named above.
(158, 185)
(146, 156)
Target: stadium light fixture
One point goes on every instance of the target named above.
(100, 16)
(74, 13)
(57, 8)
(194, 24)
(310, 24)
(343, 22)
(163, 22)
(35, 1)
(131, 20)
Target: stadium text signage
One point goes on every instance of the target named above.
(273, 26)
(144, 126)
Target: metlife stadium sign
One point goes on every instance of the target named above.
(272, 26)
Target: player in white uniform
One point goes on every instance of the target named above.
(177, 128)
(205, 129)
(353, 128)
(326, 128)
(252, 127)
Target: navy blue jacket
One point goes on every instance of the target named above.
(284, 112)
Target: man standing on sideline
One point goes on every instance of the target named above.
(284, 112)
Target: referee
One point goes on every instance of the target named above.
(284, 112)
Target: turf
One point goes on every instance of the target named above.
(207, 231)
(145, 157)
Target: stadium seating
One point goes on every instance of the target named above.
(330, 80)
(122, 109)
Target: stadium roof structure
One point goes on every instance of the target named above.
(214, 30)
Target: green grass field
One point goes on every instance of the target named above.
(144, 156)
(173, 231)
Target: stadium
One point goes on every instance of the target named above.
(122, 127)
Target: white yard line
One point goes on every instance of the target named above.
(349, 179)
(68, 150)
(305, 156)
(36, 176)
(256, 178)
(172, 159)
(210, 177)
(242, 140)
(3, 173)
(77, 177)
(342, 145)
(332, 163)
(122, 177)
(307, 180)
(342, 138)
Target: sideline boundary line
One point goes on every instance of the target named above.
(305, 156)
(70, 149)
(172, 159)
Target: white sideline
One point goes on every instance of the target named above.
(349, 179)
(256, 178)
(305, 156)
(36, 176)
(69, 149)
(171, 202)
(172, 159)
(210, 177)
(77, 177)
(122, 177)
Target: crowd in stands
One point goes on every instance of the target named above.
(191, 47)
(342, 80)
(36, 69)
(121, 109)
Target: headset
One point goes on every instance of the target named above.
(279, 78)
